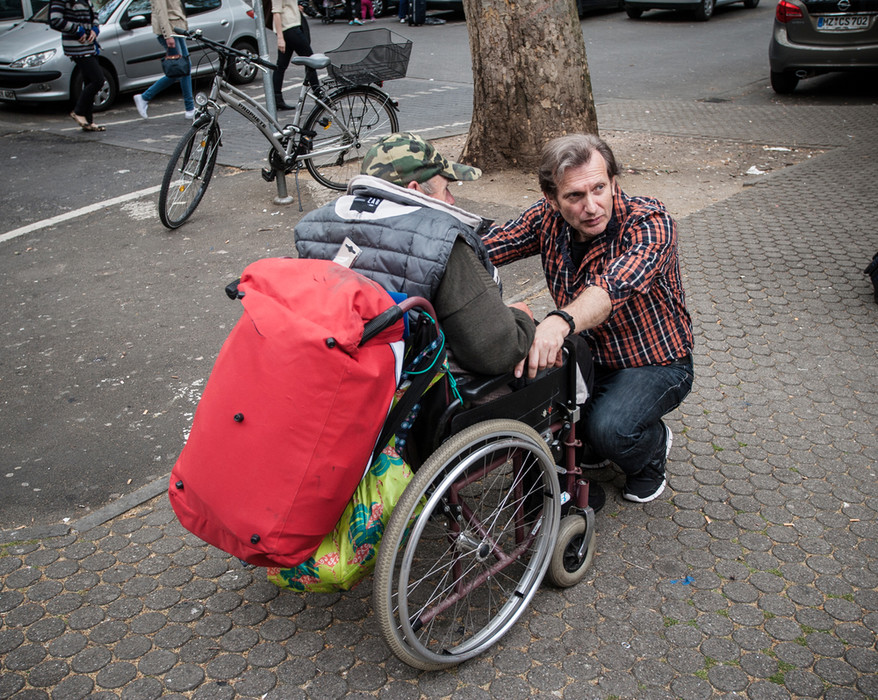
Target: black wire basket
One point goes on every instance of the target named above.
(370, 56)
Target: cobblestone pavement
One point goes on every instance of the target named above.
(754, 575)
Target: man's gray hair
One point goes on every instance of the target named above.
(565, 152)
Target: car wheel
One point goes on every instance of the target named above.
(750, 4)
(704, 11)
(783, 83)
(104, 98)
(633, 12)
(378, 8)
(241, 72)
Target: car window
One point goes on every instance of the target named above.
(107, 7)
(11, 10)
(196, 7)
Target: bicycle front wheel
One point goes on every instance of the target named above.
(356, 119)
(188, 174)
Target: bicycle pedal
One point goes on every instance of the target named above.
(268, 175)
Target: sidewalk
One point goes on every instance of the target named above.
(753, 576)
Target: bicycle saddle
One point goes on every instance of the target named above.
(318, 60)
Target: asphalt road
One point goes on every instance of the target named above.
(111, 323)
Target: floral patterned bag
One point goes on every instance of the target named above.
(347, 554)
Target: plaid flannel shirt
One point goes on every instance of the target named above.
(634, 261)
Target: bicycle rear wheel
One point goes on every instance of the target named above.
(188, 174)
(358, 117)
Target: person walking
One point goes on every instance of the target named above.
(403, 11)
(367, 11)
(293, 36)
(167, 14)
(353, 7)
(78, 23)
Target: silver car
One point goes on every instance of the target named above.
(702, 10)
(33, 67)
(14, 12)
(821, 36)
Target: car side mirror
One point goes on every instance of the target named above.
(134, 22)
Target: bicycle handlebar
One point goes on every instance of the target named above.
(228, 51)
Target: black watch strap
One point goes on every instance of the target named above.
(567, 317)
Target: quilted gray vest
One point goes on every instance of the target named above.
(405, 237)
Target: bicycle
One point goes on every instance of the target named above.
(350, 114)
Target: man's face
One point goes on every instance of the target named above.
(437, 188)
(585, 198)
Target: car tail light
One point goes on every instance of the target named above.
(787, 11)
(251, 14)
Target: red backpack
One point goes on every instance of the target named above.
(291, 412)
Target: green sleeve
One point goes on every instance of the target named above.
(484, 335)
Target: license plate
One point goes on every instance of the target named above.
(7, 94)
(843, 23)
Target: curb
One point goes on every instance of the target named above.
(99, 517)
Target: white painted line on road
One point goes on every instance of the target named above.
(15, 233)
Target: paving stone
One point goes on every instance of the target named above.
(184, 677)
(157, 662)
(148, 622)
(45, 630)
(226, 666)
(116, 675)
(143, 689)
(132, 647)
(24, 657)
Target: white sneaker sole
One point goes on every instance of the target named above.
(646, 499)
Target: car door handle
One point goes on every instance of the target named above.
(225, 23)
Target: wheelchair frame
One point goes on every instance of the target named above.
(485, 518)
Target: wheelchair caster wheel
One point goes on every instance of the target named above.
(566, 567)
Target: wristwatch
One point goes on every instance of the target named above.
(567, 317)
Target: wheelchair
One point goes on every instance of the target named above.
(497, 506)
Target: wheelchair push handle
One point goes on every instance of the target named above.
(393, 314)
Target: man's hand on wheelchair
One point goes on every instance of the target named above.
(546, 348)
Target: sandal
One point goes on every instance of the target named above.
(82, 121)
(93, 127)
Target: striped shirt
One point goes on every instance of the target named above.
(74, 19)
(635, 261)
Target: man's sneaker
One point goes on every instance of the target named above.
(142, 105)
(189, 114)
(402, 20)
(646, 485)
(355, 21)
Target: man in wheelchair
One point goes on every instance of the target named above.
(398, 226)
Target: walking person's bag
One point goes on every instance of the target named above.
(176, 66)
(291, 413)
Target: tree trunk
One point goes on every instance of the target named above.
(531, 80)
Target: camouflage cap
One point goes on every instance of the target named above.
(401, 158)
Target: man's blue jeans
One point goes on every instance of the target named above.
(165, 81)
(622, 419)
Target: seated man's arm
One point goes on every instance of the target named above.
(485, 335)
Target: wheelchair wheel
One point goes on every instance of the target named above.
(467, 545)
(567, 568)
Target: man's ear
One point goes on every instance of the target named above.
(413, 185)
(553, 201)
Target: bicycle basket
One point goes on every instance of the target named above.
(370, 56)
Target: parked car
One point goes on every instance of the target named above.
(13, 12)
(585, 6)
(701, 9)
(821, 36)
(33, 67)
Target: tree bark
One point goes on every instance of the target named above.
(531, 80)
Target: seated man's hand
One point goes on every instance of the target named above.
(546, 348)
(521, 306)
